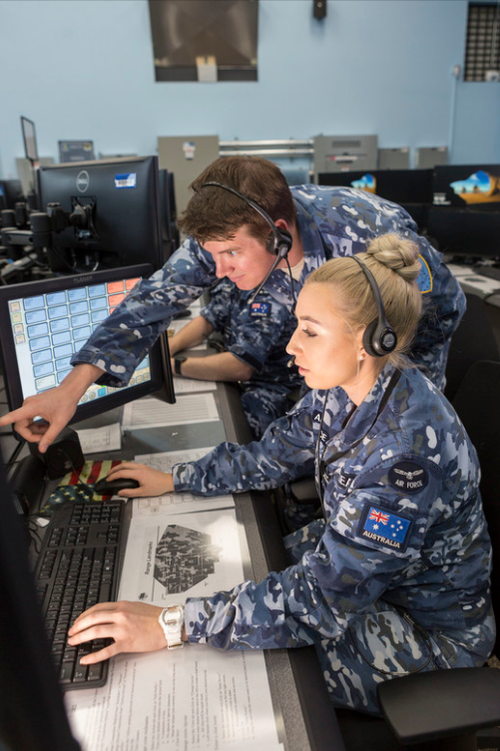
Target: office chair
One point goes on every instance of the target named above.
(444, 709)
(473, 340)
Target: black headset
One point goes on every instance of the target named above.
(281, 240)
(379, 339)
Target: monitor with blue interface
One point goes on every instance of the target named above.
(43, 323)
(473, 186)
(101, 214)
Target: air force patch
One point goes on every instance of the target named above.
(381, 525)
(260, 309)
(408, 477)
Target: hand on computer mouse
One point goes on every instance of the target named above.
(151, 481)
(108, 486)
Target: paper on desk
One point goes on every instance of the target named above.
(193, 698)
(150, 413)
(107, 438)
(176, 503)
(191, 385)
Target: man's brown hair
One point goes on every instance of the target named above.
(215, 214)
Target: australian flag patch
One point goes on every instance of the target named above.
(383, 526)
(260, 309)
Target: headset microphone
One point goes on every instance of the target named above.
(291, 362)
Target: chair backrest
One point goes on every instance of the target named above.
(477, 403)
(472, 341)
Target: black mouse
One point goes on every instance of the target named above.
(109, 487)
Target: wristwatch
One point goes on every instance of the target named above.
(177, 364)
(171, 619)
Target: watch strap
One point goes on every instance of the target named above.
(171, 619)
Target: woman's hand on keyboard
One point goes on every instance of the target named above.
(133, 626)
(151, 481)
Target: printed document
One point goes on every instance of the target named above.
(152, 413)
(191, 698)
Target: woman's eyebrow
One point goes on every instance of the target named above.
(311, 320)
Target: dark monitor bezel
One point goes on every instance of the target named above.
(464, 233)
(32, 711)
(24, 120)
(105, 256)
(161, 377)
(421, 196)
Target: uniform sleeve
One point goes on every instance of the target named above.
(122, 341)
(332, 585)
(443, 305)
(285, 452)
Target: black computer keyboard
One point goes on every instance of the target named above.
(78, 567)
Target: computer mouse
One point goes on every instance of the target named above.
(109, 487)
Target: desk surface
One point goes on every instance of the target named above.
(304, 715)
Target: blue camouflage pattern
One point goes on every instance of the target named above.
(409, 594)
(332, 222)
(256, 334)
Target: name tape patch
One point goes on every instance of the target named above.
(408, 477)
(383, 526)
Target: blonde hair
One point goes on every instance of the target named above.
(394, 264)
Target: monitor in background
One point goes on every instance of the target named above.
(76, 151)
(43, 323)
(467, 186)
(170, 233)
(465, 232)
(29, 138)
(401, 186)
(13, 192)
(32, 713)
(104, 214)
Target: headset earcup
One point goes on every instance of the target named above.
(379, 339)
(368, 335)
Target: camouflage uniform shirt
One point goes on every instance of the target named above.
(332, 222)
(403, 532)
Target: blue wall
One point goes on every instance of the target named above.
(84, 70)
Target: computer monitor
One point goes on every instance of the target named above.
(43, 323)
(109, 214)
(474, 186)
(29, 137)
(401, 186)
(13, 192)
(76, 151)
(465, 232)
(32, 713)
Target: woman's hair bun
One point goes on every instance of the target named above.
(397, 254)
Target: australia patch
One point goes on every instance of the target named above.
(260, 309)
(408, 477)
(381, 525)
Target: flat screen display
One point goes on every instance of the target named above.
(43, 323)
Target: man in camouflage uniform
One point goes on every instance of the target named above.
(395, 578)
(325, 223)
(331, 222)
